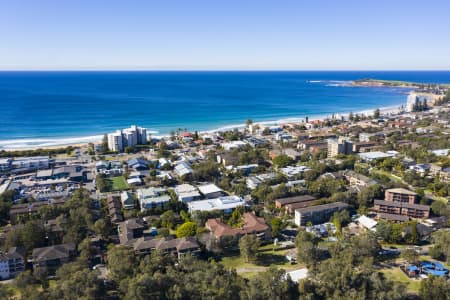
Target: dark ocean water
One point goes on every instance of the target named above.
(41, 108)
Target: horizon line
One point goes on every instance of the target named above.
(225, 70)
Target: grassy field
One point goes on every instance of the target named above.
(395, 274)
(267, 257)
(117, 183)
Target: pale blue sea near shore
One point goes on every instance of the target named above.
(51, 108)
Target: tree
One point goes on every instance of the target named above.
(351, 117)
(271, 284)
(31, 235)
(349, 274)
(105, 143)
(384, 230)
(434, 288)
(439, 208)
(101, 228)
(121, 263)
(307, 247)
(339, 219)
(282, 161)
(186, 229)
(129, 149)
(6, 200)
(410, 255)
(168, 219)
(277, 226)
(376, 113)
(248, 246)
(412, 236)
(75, 283)
(101, 183)
(236, 218)
(441, 241)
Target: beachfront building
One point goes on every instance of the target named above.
(25, 164)
(115, 142)
(128, 137)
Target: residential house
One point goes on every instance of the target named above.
(226, 204)
(127, 200)
(49, 259)
(179, 247)
(137, 164)
(28, 209)
(187, 193)
(130, 229)
(251, 225)
(114, 208)
(152, 197)
(12, 263)
(292, 171)
(182, 169)
(356, 179)
(211, 191)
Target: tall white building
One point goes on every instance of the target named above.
(115, 142)
(128, 137)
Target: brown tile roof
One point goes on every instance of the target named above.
(164, 244)
(252, 224)
(296, 199)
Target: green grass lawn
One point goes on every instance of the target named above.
(117, 183)
(395, 274)
(267, 257)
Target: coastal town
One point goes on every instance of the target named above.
(281, 211)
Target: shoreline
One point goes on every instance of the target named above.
(54, 143)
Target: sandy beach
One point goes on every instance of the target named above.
(65, 142)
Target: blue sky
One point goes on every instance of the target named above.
(228, 34)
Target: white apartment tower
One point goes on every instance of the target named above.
(115, 141)
(128, 137)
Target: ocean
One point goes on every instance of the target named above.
(55, 108)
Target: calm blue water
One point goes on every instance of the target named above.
(39, 107)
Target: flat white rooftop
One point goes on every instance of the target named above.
(209, 189)
(221, 203)
(298, 275)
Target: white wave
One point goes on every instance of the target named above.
(47, 142)
(314, 81)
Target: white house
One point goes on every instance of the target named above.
(226, 204)
(183, 168)
(152, 197)
(367, 223)
(187, 193)
(127, 200)
(210, 191)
